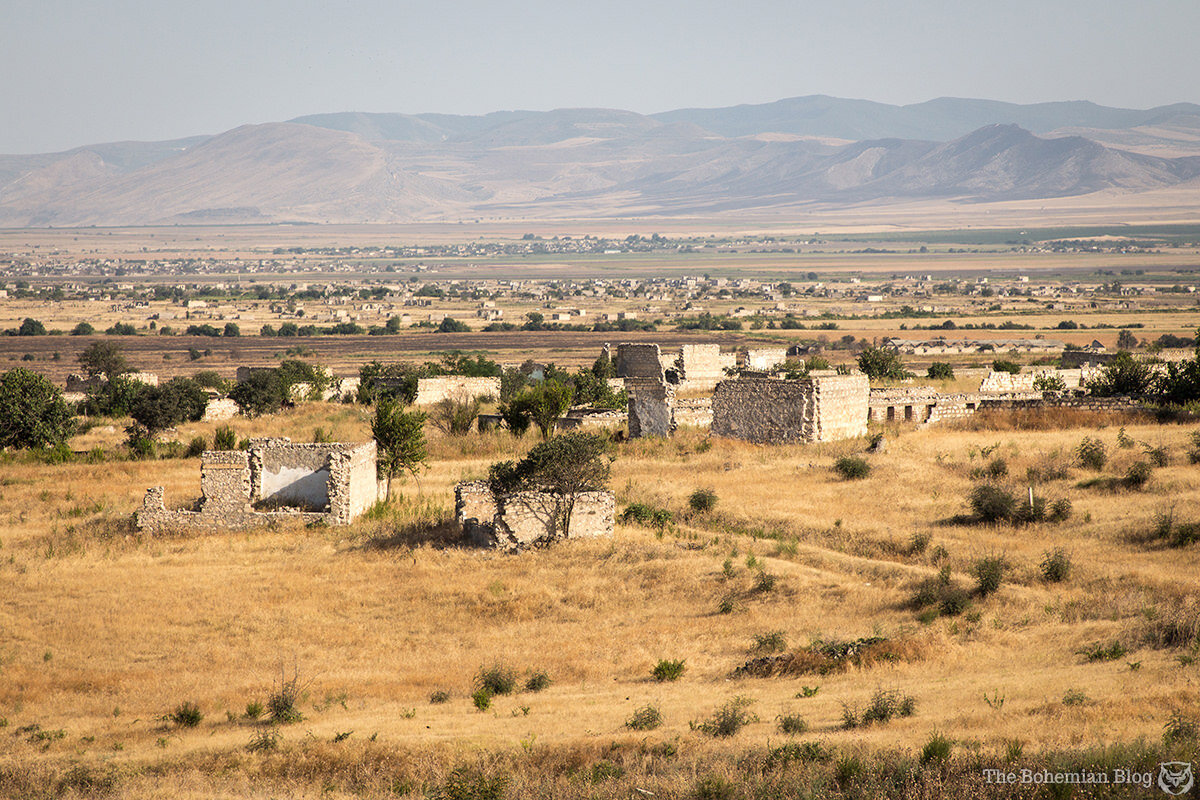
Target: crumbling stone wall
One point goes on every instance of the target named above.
(1007, 382)
(651, 407)
(699, 365)
(455, 387)
(328, 482)
(923, 405)
(639, 361)
(591, 419)
(522, 519)
(773, 411)
(763, 358)
(84, 384)
(220, 408)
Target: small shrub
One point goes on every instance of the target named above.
(1123, 439)
(537, 682)
(728, 719)
(938, 747)
(1060, 510)
(1056, 566)
(1101, 652)
(728, 603)
(469, 783)
(186, 715)
(1138, 475)
(496, 679)
(792, 724)
(264, 741)
(1049, 382)
(997, 468)
(666, 670)
(283, 702)
(1158, 456)
(992, 503)
(773, 642)
(714, 787)
(702, 501)
(646, 718)
(852, 468)
(439, 697)
(1091, 454)
(765, 582)
(1181, 729)
(1075, 697)
(918, 543)
(482, 699)
(940, 595)
(989, 573)
(882, 708)
(254, 710)
(196, 447)
(225, 438)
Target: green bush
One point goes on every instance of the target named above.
(470, 783)
(666, 670)
(940, 595)
(1092, 454)
(792, 724)
(186, 715)
(992, 503)
(989, 573)
(646, 718)
(537, 682)
(438, 697)
(882, 708)
(284, 701)
(225, 438)
(938, 748)
(1100, 652)
(728, 719)
(482, 699)
(1005, 365)
(852, 467)
(196, 447)
(702, 501)
(496, 679)
(772, 642)
(1056, 566)
(1138, 475)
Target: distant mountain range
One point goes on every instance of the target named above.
(599, 163)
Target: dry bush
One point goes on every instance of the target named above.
(826, 657)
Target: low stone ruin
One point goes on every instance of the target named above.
(276, 479)
(769, 411)
(523, 519)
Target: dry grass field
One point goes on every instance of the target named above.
(105, 633)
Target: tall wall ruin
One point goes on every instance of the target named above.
(639, 361)
(651, 407)
(771, 411)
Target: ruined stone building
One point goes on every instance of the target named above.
(460, 388)
(770, 411)
(521, 519)
(275, 479)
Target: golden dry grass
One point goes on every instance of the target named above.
(104, 631)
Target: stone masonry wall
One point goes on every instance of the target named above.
(763, 358)
(455, 387)
(696, 412)
(806, 410)
(651, 407)
(639, 361)
(510, 522)
(699, 365)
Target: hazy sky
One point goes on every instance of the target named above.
(76, 72)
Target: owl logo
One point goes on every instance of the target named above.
(1175, 777)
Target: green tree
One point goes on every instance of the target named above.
(563, 467)
(262, 393)
(83, 329)
(451, 325)
(31, 327)
(157, 408)
(881, 363)
(1124, 375)
(122, 329)
(103, 359)
(940, 370)
(1126, 340)
(232, 329)
(546, 403)
(399, 439)
(32, 411)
